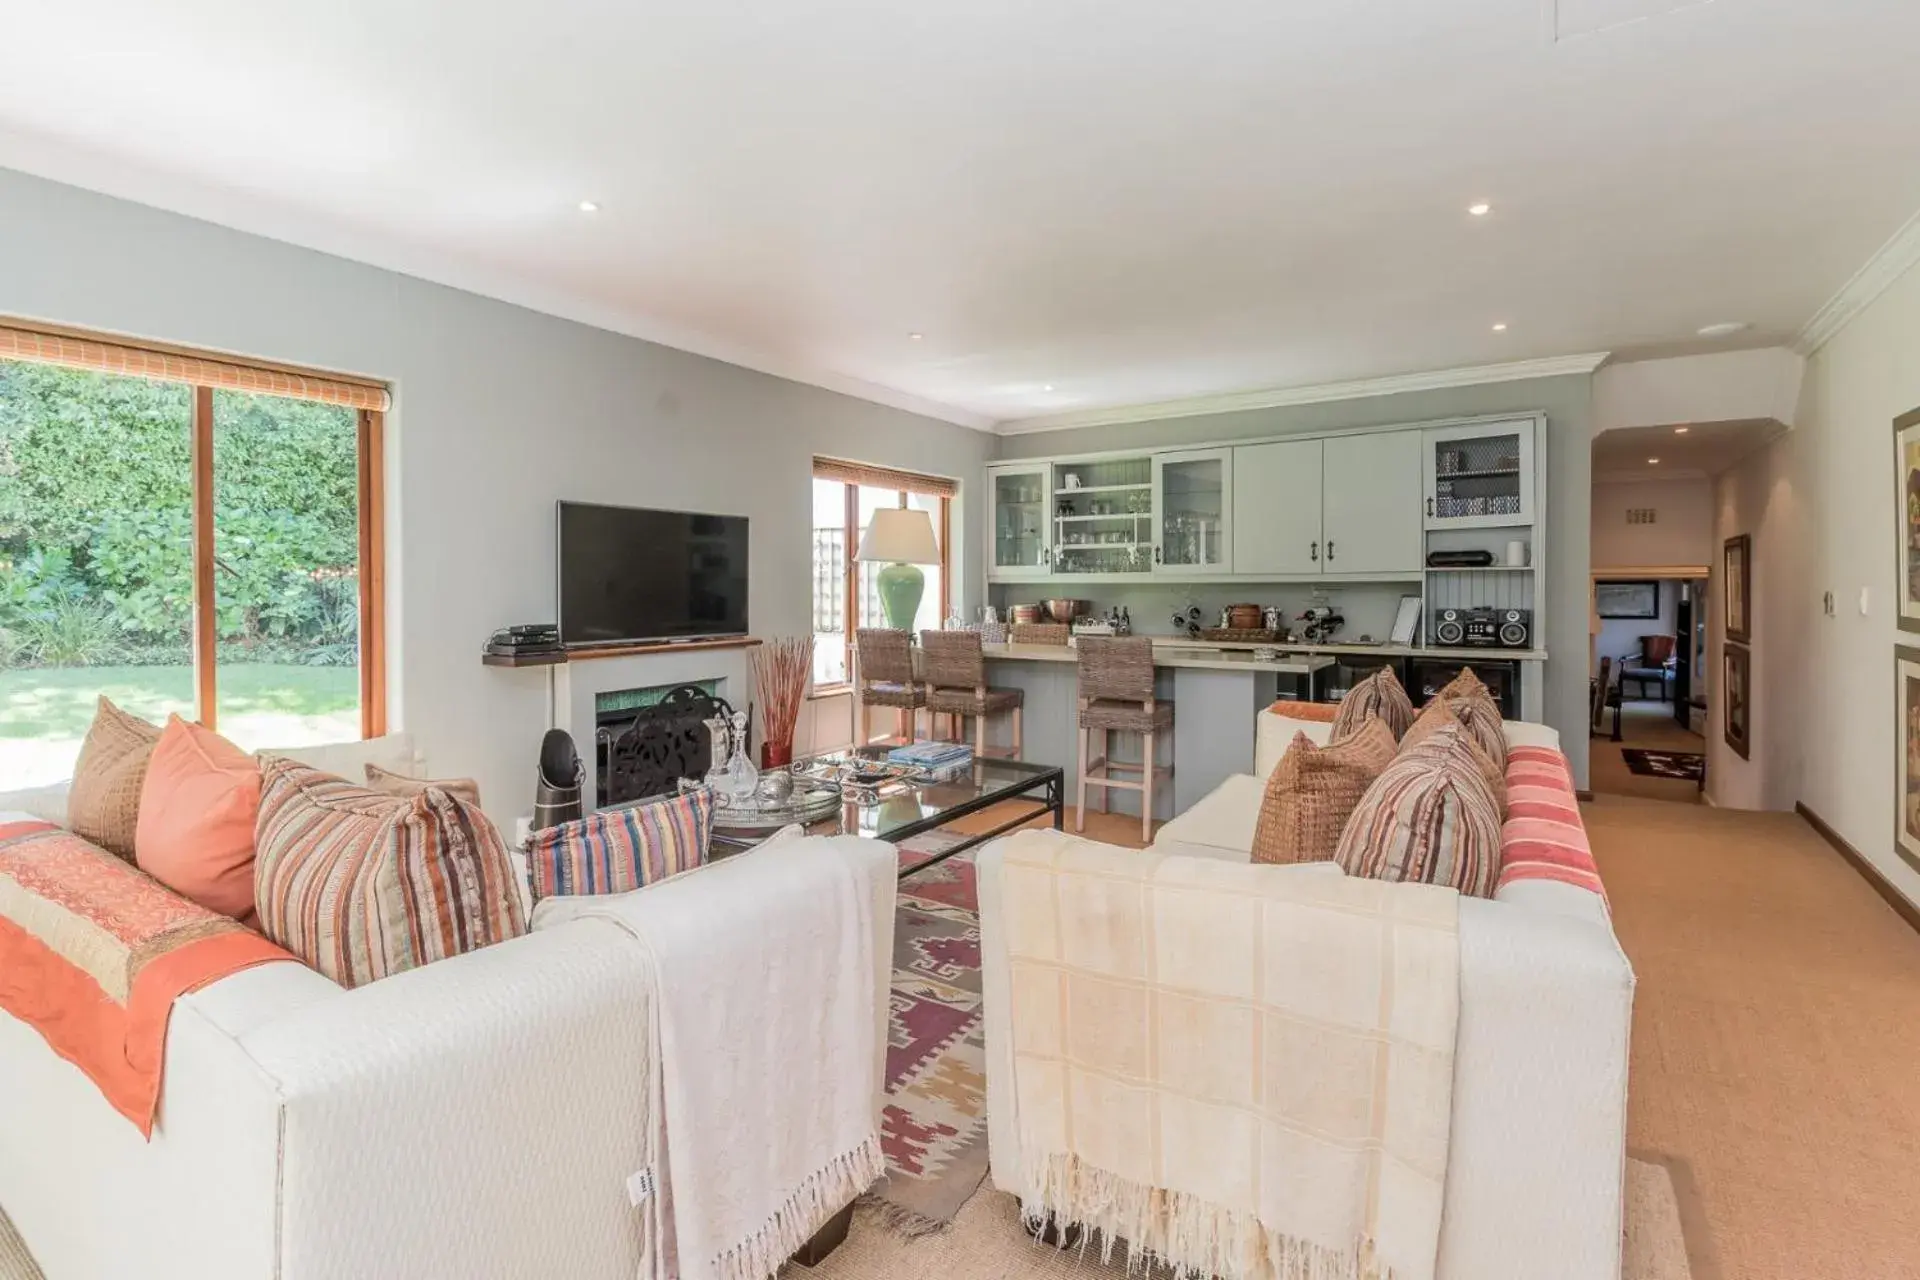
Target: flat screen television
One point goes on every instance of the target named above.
(630, 574)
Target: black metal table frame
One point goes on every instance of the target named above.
(1054, 801)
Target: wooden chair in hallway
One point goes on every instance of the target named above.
(956, 676)
(1116, 696)
(1652, 665)
(883, 665)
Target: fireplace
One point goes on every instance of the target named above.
(647, 740)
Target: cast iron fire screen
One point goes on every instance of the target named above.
(645, 751)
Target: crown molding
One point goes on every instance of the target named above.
(1281, 397)
(1893, 260)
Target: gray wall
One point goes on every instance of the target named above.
(499, 411)
(1568, 404)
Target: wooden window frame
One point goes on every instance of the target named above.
(206, 372)
(850, 575)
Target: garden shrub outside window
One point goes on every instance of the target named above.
(182, 548)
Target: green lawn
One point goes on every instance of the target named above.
(58, 702)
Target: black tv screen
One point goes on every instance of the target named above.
(633, 574)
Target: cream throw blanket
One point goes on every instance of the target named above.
(765, 1072)
(1237, 1070)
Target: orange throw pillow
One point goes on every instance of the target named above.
(1294, 709)
(197, 813)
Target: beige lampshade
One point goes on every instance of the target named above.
(900, 535)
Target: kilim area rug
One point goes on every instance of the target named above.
(1685, 765)
(934, 1128)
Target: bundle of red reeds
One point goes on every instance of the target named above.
(780, 671)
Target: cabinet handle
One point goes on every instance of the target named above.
(1429, 506)
(1156, 555)
(1315, 553)
(1329, 548)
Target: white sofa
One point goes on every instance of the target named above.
(1538, 1145)
(478, 1117)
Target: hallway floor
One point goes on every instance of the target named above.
(1649, 726)
(1776, 1028)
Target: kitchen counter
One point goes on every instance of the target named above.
(1188, 654)
(1480, 654)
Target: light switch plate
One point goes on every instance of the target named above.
(1863, 600)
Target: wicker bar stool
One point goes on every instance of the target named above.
(884, 666)
(1039, 633)
(957, 686)
(1116, 695)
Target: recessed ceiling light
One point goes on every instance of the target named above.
(1501, 327)
(915, 337)
(1480, 210)
(588, 206)
(1723, 329)
(1653, 462)
(1048, 387)
(1680, 431)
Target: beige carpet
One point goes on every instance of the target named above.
(987, 1243)
(1776, 1037)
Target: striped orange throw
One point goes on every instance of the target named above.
(93, 953)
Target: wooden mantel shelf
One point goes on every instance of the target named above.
(584, 653)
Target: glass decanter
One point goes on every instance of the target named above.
(742, 780)
(719, 753)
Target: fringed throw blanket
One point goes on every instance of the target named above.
(1235, 1070)
(765, 1082)
(93, 953)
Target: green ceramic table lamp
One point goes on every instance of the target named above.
(901, 539)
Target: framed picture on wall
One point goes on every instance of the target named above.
(1906, 504)
(1737, 588)
(1736, 688)
(1627, 599)
(1906, 782)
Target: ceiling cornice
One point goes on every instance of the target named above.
(1893, 260)
(1281, 397)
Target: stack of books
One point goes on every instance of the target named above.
(934, 757)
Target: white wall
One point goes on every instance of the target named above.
(499, 411)
(1828, 523)
(1682, 533)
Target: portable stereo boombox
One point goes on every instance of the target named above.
(1483, 628)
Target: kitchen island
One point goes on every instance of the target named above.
(1216, 693)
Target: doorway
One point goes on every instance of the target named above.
(1651, 684)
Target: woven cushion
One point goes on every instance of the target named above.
(1126, 717)
(882, 693)
(398, 784)
(1380, 695)
(1428, 818)
(1465, 685)
(103, 804)
(619, 850)
(361, 885)
(1313, 790)
(968, 702)
(1442, 712)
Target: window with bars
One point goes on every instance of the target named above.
(845, 594)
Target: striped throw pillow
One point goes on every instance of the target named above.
(361, 885)
(616, 850)
(1428, 818)
(1442, 712)
(1380, 695)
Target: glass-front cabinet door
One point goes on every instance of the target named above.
(1479, 476)
(1193, 511)
(1021, 534)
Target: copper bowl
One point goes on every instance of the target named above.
(1024, 614)
(1065, 611)
(1244, 617)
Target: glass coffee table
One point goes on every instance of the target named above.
(902, 808)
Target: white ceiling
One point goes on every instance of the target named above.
(1697, 450)
(1124, 200)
